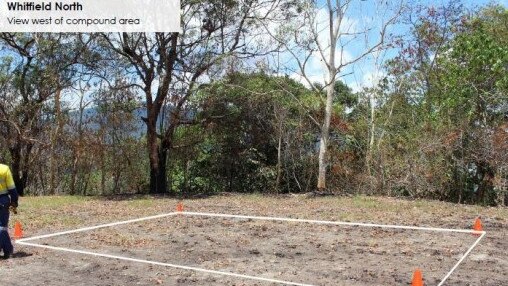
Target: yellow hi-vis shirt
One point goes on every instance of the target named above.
(6, 181)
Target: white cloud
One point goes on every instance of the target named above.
(368, 80)
(347, 26)
(317, 78)
(358, 30)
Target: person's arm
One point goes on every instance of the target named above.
(14, 197)
(11, 187)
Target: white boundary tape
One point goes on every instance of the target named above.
(334, 222)
(163, 264)
(462, 258)
(24, 241)
(95, 227)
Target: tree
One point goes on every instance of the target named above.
(443, 102)
(251, 125)
(118, 141)
(168, 67)
(471, 91)
(324, 32)
(36, 67)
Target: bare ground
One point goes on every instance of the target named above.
(289, 251)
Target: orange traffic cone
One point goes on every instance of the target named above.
(477, 225)
(18, 231)
(179, 207)
(417, 278)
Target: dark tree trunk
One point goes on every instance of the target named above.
(16, 169)
(158, 176)
(162, 179)
(485, 184)
(157, 170)
(158, 181)
(158, 153)
(20, 166)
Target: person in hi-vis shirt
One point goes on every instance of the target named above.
(8, 198)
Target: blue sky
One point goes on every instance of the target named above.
(367, 71)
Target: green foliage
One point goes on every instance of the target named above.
(473, 75)
(243, 117)
(440, 121)
(435, 127)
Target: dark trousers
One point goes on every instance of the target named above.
(5, 240)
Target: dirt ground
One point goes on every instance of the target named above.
(290, 251)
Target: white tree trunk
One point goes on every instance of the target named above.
(325, 133)
(340, 34)
(372, 128)
(330, 94)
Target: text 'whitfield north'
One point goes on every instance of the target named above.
(44, 6)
